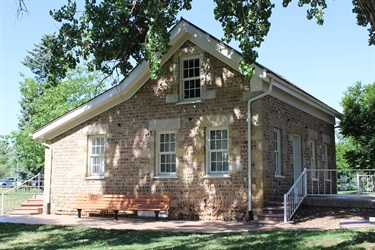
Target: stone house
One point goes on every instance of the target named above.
(191, 133)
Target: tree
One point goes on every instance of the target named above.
(78, 87)
(358, 124)
(41, 62)
(343, 145)
(112, 34)
(7, 157)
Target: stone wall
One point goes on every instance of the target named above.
(275, 114)
(131, 127)
(130, 150)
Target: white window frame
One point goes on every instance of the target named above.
(183, 79)
(276, 139)
(222, 173)
(159, 154)
(327, 174)
(101, 156)
(313, 158)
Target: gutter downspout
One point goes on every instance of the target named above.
(47, 204)
(249, 151)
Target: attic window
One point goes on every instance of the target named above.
(191, 80)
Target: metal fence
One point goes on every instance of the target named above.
(21, 192)
(341, 181)
(328, 182)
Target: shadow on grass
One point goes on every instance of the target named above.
(24, 236)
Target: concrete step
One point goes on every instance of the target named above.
(275, 203)
(273, 210)
(271, 217)
(277, 198)
(33, 206)
(34, 201)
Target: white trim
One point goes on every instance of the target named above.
(182, 32)
(90, 155)
(159, 174)
(302, 101)
(182, 78)
(313, 158)
(278, 142)
(216, 174)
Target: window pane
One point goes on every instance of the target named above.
(219, 156)
(191, 63)
(225, 166)
(219, 166)
(218, 144)
(191, 72)
(196, 62)
(196, 72)
(213, 156)
(213, 166)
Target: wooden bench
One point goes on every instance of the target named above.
(121, 202)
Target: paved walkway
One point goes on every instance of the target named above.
(132, 223)
(165, 225)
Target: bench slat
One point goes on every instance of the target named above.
(117, 202)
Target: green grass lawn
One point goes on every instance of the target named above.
(22, 236)
(15, 197)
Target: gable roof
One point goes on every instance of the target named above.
(179, 34)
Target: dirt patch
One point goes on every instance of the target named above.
(328, 218)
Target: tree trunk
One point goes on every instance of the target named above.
(368, 9)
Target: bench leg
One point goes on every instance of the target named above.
(156, 215)
(79, 213)
(116, 214)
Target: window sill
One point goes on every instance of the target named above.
(279, 177)
(189, 102)
(158, 177)
(314, 179)
(216, 176)
(95, 178)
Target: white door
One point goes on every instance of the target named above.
(297, 160)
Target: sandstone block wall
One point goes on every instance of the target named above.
(130, 129)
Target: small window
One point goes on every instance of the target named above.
(96, 155)
(217, 153)
(191, 82)
(276, 152)
(166, 153)
(313, 159)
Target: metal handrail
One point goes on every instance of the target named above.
(20, 185)
(292, 204)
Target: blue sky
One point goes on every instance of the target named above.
(322, 60)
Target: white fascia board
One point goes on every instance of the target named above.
(99, 104)
(126, 89)
(302, 102)
(209, 44)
